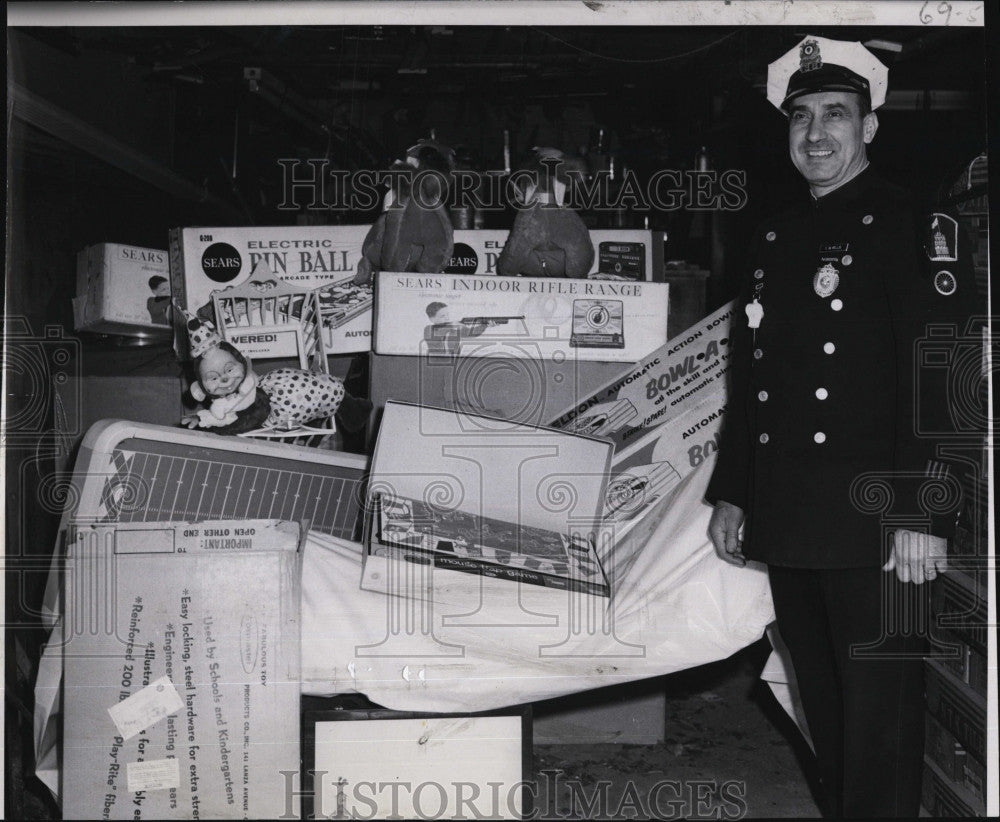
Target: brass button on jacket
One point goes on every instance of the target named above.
(858, 361)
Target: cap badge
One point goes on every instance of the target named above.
(826, 280)
(809, 56)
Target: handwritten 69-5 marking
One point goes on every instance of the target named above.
(933, 12)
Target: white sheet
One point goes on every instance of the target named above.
(677, 606)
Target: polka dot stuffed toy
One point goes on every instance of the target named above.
(298, 397)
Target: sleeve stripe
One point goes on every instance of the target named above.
(936, 469)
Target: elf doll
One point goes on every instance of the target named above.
(282, 400)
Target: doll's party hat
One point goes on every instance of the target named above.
(201, 334)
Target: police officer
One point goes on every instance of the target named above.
(847, 505)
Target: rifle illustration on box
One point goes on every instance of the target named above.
(502, 320)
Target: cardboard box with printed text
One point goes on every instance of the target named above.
(203, 260)
(663, 414)
(477, 496)
(122, 289)
(540, 318)
(181, 669)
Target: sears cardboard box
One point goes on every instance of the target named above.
(122, 289)
(181, 670)
(625, 254)
(538, 318)
(203, 260)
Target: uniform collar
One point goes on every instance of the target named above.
(845, 194)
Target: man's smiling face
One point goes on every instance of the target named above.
(827, 135)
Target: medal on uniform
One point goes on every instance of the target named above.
(826, 280)
(755, 313)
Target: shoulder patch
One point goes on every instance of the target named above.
(941, 238)
(945, 283)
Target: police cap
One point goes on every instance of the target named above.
(820, 64)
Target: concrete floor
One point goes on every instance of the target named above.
(730, 752)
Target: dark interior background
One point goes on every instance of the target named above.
(117, 135)
(359, 96)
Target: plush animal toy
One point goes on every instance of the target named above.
(281, 400)
(547, 239)
(298, 397)
(414, 232)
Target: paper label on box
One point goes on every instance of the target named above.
(154, 775)
(211, 536)
(157, 700)
(269, 344)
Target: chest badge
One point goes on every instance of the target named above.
(755, 313)
(826, 280)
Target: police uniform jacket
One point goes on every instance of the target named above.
(819, 446)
